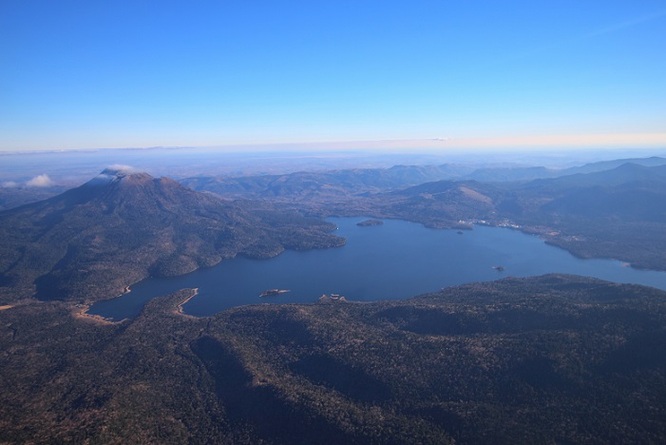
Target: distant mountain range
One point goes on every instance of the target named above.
(504, 174)
(618, 213)
(330, 184)
(120, 227)
(629, 192)
(344, 183)
(611, 209)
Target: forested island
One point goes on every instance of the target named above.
(370, 223)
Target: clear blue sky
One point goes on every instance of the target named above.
(134, 73)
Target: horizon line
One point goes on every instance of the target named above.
(504, 143)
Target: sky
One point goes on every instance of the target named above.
(90, 74)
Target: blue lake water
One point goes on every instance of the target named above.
(395, 260)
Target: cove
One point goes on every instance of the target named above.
(396, 260)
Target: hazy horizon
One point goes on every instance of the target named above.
(431, 75)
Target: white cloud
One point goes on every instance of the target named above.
(40, 181)
(112, 173)
(120, 168)
(9, 184)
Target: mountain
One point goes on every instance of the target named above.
(334, 185)
(593, 167)
(618, 213)
(91, 242)
(628, 192)
(552, 359)
(509, 174)
(325, 184)
(617, 210)
(438, 204)
(503, 174)
(627, 173)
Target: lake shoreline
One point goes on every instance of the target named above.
(395, 260)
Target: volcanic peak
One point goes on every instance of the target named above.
(118, 173)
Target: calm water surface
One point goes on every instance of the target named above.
(396, 260)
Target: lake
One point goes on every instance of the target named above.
(396, 260)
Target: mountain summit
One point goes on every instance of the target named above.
(92, 241)
(119, 173)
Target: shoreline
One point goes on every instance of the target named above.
(81, 312)
(179, 308)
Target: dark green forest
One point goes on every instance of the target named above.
(552, 359)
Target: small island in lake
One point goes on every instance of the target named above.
(332, 298)
(370, 222)
(273, 292)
